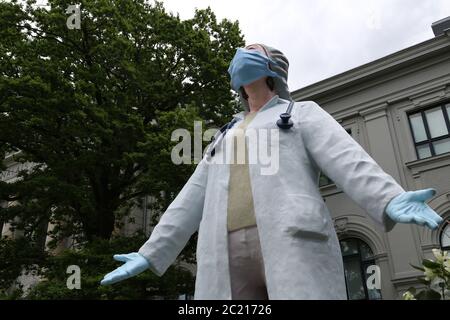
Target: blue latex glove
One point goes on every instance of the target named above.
(410, 207)
(135, 263)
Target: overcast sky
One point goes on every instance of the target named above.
(322, 38)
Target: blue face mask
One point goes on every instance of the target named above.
(248, 66)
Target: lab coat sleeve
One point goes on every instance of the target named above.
(177, 224)
(344, 161)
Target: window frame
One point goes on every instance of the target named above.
(363, 264)
(429, 140)
(441, 233)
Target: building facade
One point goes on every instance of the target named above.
(397, 108)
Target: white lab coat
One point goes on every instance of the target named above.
(300, 249)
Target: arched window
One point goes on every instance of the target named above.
(357, 257)
(445, 237)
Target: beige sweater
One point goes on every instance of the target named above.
(241, 212)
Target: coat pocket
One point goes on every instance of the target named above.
(305, 217)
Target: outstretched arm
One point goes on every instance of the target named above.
(177, 224)
(343, 160)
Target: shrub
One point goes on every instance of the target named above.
(436, 278)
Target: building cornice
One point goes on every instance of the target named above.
(376, 68)
(374, 112)
(431, 163)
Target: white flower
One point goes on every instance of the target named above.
(440, 255)
(436, 284)
(429, 274)
(408, 296)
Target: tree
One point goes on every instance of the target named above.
(93, 108)
(94, 260)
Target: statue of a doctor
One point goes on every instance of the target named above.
(270, 236)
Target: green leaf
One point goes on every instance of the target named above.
(430, 264)
(418, 268)
(428, 294)
(412, 290)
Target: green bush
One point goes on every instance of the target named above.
(436, 278)
(94, 261)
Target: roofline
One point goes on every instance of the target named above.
(374, 68)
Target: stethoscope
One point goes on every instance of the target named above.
(284, 123)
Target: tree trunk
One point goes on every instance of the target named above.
(106, 219)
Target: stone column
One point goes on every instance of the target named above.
(400, 242)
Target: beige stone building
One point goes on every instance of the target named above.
(397, 108)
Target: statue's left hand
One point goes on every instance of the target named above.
(410, 207)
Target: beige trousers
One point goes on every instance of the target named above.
(246, 265)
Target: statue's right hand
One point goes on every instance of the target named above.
(135, 263)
